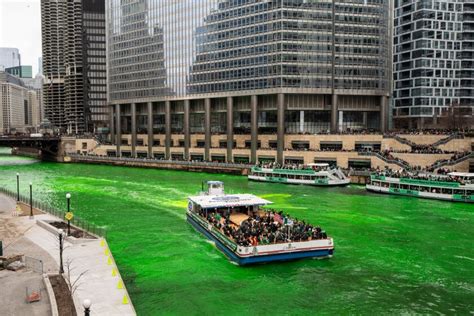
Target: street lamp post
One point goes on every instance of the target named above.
(87, 307)
(68, 199)
(61, 239)
(17, 187)
(31, 200)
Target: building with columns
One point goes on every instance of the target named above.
(244, 81)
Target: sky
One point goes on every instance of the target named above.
(20, 27)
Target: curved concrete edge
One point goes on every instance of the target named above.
(120, 276)
(52, 298)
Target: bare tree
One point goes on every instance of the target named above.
(458, 116)
(73, 283)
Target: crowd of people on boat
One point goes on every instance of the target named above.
(292, 166)
(264, 227)
(441, 176)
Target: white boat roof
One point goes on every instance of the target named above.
(461, 174)
(227, 200)
(319, 164)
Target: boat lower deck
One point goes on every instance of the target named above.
(321, 182)
(256, 254)
(421, 194)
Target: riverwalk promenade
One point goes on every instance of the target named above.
(100, 281)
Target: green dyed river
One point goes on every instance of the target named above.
(393, 254)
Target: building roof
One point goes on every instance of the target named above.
(228, 200)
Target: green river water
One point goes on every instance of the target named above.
(393, 254)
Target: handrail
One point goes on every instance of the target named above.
(401, 163)
(447, 139)
(442, 163)
(435, 144)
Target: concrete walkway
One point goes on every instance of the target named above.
(101, 281)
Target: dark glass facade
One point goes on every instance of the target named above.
(246, 67)
(186, 48)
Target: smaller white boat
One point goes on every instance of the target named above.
(319, 174)
(456, 186)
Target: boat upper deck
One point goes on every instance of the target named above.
(241, 219)
(451, 180)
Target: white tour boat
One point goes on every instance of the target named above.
(319, 174)
(226, 220)
(456, 186)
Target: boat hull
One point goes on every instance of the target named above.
(248, 260)
(330, 183)
(417, 194)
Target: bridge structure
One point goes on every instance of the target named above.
(48, 147)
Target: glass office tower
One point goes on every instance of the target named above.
(247, 67)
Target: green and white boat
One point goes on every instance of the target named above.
(456, 186)
(319, 174)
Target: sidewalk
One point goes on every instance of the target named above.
(105, 290)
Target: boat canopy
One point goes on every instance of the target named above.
(229, 200)
(461, 174)
(319, 164)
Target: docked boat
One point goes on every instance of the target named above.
(456, 186)
(319, 174)
(247, 234)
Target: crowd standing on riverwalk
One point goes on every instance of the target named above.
(263, 227)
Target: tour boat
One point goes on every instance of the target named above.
(319, 174)
(456, 186)
(234, 210)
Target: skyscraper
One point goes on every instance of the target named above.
(74, 64)
(434, 62)
(251, 67)
(9, 57)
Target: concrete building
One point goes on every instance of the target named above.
(36, 84)
(40, 65)
(21, 71)
(73, 34)
(201, 73)
(9, 57)
(434, 62)
(19, 109)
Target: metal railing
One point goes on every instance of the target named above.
(161, 161)
(447, 139)
(76, 221)
(443, 163)
(399, 162)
